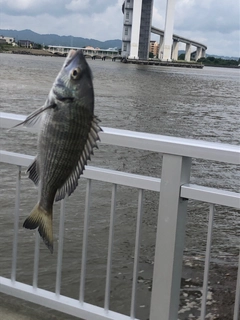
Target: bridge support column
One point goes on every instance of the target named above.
(145, 28)
(160, 51)
(203, 53)
(188, 52)
(168, 32)
(175, 50)
(198, 53)
(136, 22)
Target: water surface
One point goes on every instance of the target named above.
(189, 103)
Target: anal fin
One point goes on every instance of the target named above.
(33, 172)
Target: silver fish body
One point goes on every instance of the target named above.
(68, 133)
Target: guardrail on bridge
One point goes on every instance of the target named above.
(175, 190)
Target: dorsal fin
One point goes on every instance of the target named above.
(72, 181)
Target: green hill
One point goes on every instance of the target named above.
(54, 39)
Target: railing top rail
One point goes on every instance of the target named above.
(188, 191)
(151, 142)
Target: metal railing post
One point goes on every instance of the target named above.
(16, 225)
(237, 294)
(170, 238)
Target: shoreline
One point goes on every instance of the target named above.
(45, 53)
(180, 64)
(32, 52)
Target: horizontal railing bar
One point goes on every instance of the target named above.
(9, 120)
(190, 191)
(172, 145)
(122, 178)
(14, 158)
(93, 173)
(60, 303)
(211, 195)
(156, 143)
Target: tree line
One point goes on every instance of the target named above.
(212, 61)
(209, 61)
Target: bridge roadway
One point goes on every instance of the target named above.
(200, 52)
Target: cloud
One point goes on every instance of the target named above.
(158, 18)
(103, 25)
(55, 8)
(32, 7)
(211, 22)
(77, 5)
(207, 15)
(19, 5)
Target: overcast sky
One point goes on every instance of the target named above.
(214, 23)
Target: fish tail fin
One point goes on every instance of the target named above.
(41, 219)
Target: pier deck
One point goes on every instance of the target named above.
(165, 63)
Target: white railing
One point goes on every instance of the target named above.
(175, 190)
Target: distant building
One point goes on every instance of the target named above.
(25, 43)
(89, 48)
(8, 40)
(154, 48)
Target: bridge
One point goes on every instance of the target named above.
(200, 48)
(136, 36)
(88, 52)
(137, 28)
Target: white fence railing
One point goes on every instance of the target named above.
(175, 190)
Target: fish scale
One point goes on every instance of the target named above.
(63, 150)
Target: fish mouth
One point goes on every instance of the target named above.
(71, 53)
(74, 57)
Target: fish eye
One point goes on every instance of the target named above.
(75, 74)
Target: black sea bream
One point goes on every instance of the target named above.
(68, 133)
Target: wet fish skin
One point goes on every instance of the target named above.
(68, 133)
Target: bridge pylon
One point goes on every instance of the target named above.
(136, 28)
(168, 31)
(137, 32)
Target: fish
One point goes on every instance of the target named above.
(68, 133)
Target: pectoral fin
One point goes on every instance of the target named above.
(35, 116)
